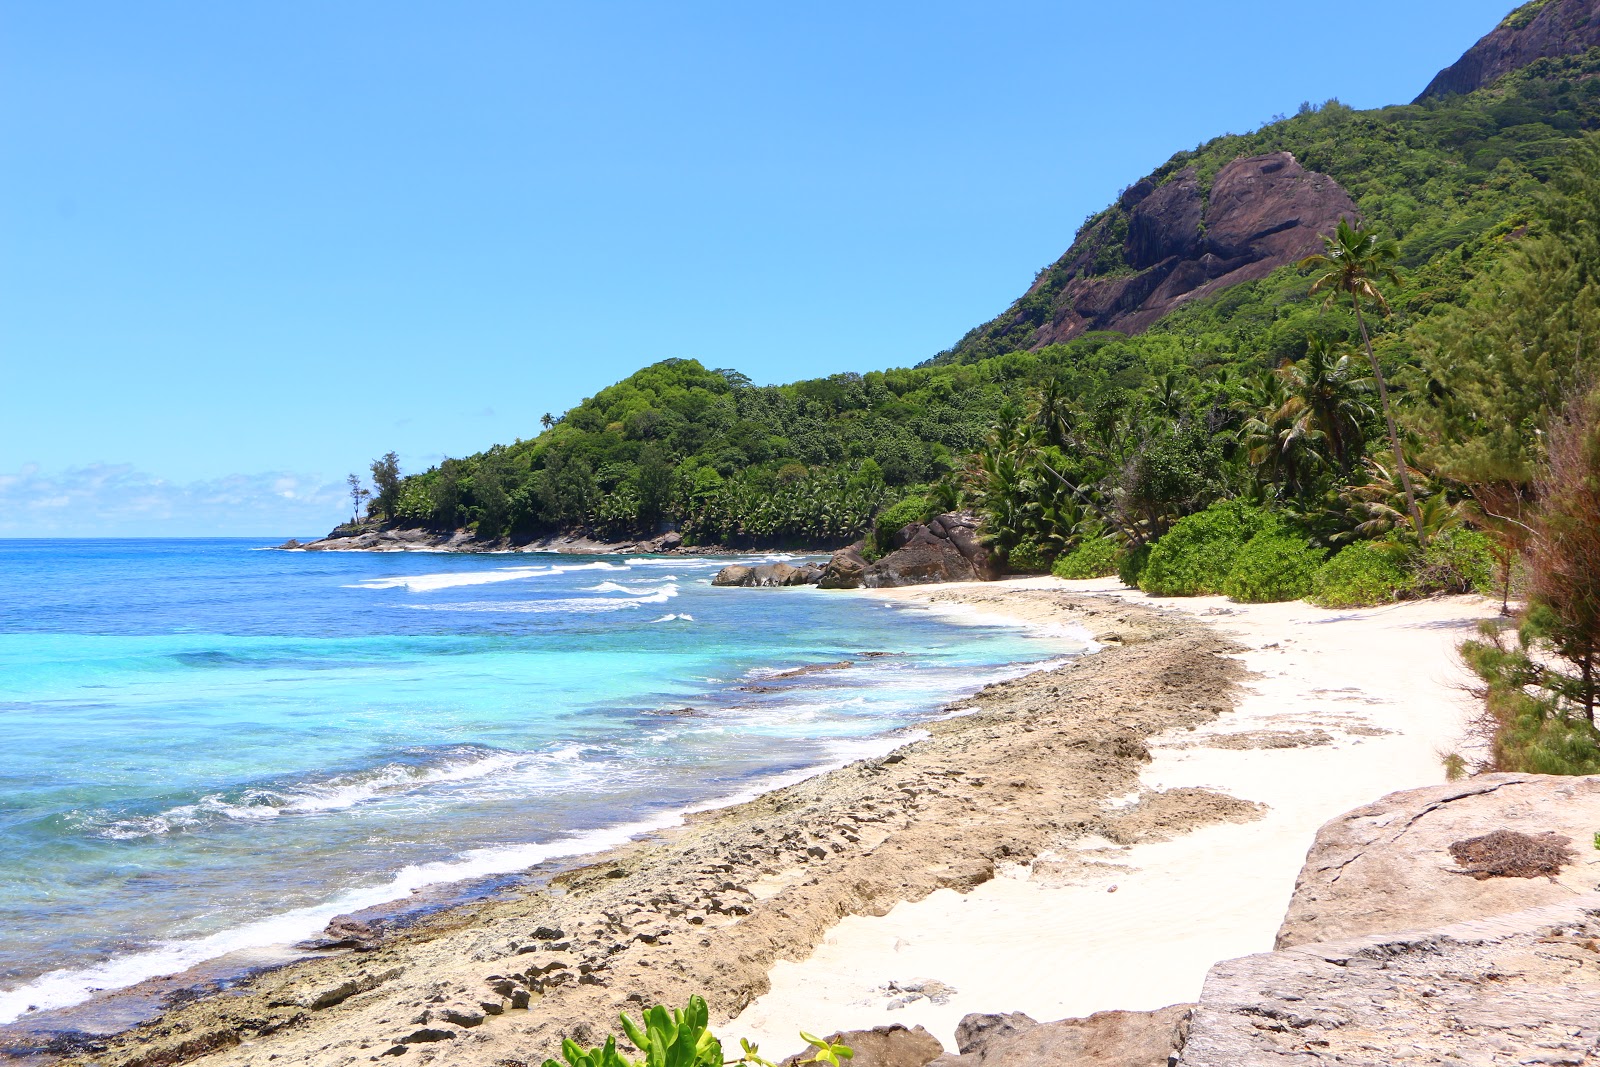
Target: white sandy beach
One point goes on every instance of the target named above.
(1383, 685)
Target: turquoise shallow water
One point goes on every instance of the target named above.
(207, 746)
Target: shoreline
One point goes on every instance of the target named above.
(1339, 708)
(758, 880)
(405, 898)
(381, 539)
(1050, 783)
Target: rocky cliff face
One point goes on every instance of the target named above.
(1165, 244)
(1533, 31)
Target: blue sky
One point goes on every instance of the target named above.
(248, 247)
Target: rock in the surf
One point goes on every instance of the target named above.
(767, 575)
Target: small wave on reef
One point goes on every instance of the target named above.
(428, 583)
(410, 771)
(262, 740)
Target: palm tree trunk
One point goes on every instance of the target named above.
(1388, 418)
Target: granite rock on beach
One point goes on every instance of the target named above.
(946, 548)
(1394, 952)
(708, 907)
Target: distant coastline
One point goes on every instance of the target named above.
(372, 537)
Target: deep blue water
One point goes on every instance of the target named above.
(205, 746)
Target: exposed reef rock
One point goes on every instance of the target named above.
(1168, 242)
(1533, 31)
(944, 549)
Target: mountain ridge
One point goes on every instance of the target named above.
(1181, 286)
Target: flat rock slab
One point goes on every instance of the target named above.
(1522, 988)
(1387, 866)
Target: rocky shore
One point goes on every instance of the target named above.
(709, 907)
(1095, 835)
(378, 537)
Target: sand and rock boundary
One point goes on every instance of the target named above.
(710, 906)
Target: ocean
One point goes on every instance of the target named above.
(208, 747)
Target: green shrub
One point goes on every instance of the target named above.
(1131, 564)
(891, 520)
(1456, 561)
(1196, 555)
(1274, 565)
(681, 1039)
(1026, 558)
(1362, 575)
(1095, 557)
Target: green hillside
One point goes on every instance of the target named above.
(1157, 426)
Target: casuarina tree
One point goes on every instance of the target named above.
(1563, 555)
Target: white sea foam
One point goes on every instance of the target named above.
(336, 793)
(64, 988)
(570, 605)
(685, 617)
(636, 588)
(428, 583)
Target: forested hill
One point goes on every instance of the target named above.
(1173, 302)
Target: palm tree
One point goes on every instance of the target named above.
(1324, 391)
(1355, 262)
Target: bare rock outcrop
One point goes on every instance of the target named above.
(1176, 241)
(1533, 31)
(1388, 866)
(1522, 988)
(944, 549)
(1104, 1039)
(1454, 924)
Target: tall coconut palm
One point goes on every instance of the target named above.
(1324, 391)
(1354, 262)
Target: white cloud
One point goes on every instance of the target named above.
(117, 500)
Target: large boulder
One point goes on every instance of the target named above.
(884, 1046)
(1104, 1039)
(767, 575)
(944, 549)
(845, 570)
(1388, 865)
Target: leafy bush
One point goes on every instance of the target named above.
(681, 1039)
(1362, 575)
(1197, 554)
(1130, 565)
(1457, 561)
(1027, 558)
(1274, 565)
(891, 520)
(1095, 557)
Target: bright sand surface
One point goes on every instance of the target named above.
(1383, 683)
